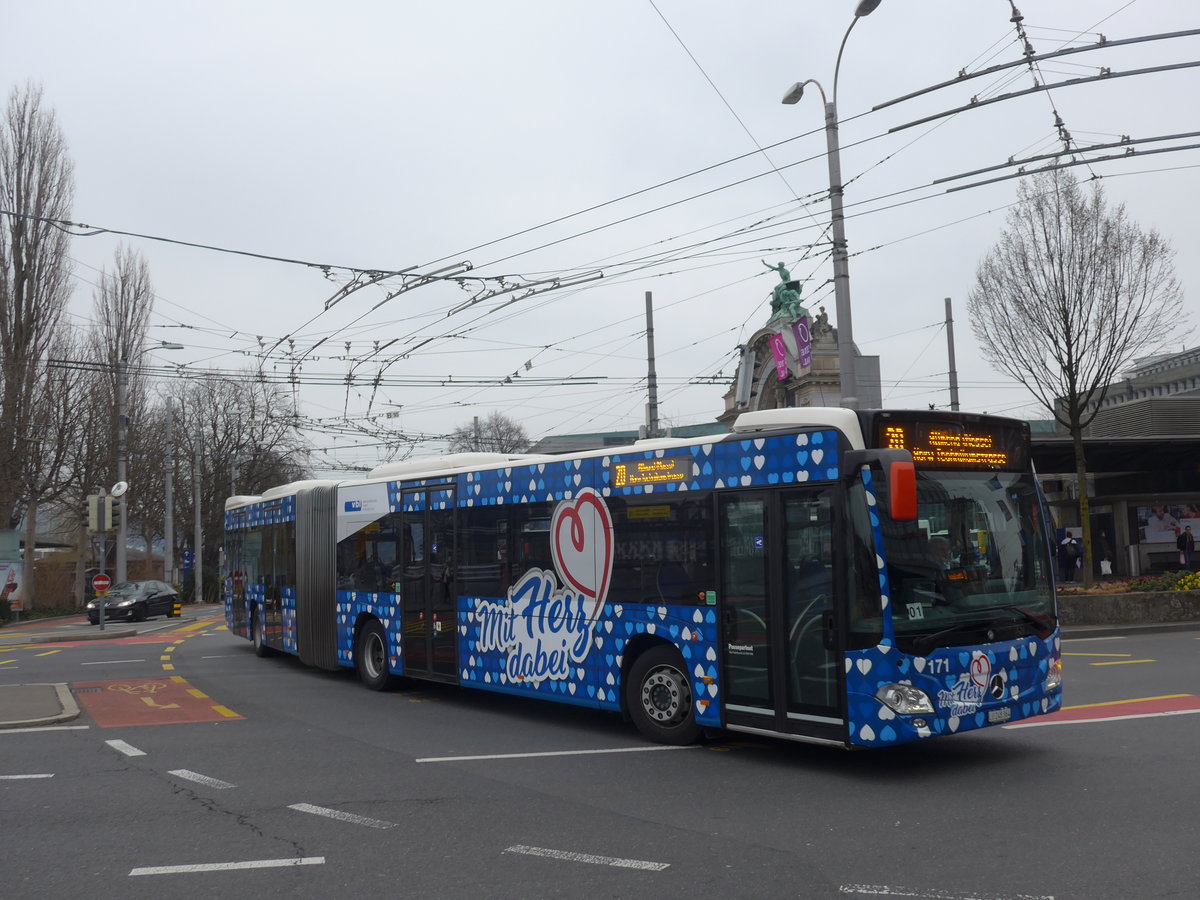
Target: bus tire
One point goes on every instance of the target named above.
(258, 635)
(371, 657)
(658, 697)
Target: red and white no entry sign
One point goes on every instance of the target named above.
(101, 582)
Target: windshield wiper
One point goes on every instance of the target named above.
(925, 640)
(1037, 621)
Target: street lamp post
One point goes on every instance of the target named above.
(123, 452)
(847, 364)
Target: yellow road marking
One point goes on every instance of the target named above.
(48, 653)
(149, 701)
(165, 658)
(1123, 655)
(178, 680)
(195, 626)
(167, 668)
(226, 712)
(199, 695)
(1123, 662)
(1122, 702)
(5, 662)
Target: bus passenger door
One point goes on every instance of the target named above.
(427, 588)
(779, 641)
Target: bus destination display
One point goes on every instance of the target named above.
(946, 445)
(637, 472)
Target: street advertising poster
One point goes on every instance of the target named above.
(1162, 523)
(10, 587)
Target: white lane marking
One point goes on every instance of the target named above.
(220, 867)
(555, 753)
(883, 890)
(111, 662)
(341, 816)
(1117, 718)
(588, 858)
(40, 728)
(201, 779)
(1119, 637)
(16, 777)
(127, 749)
(226, 656)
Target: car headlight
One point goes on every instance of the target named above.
(1054, 675)
(125, 603)
(92, 605)
(904, 699)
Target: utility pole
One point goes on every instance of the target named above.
(651, 376)
(198, 537)
(953, 368)
(169, 498)
(122, 456)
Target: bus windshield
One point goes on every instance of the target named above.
(975, 566)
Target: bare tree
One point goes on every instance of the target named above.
(1071, 294)
(36, 190)
(60, 394)
(245, 435)
(495, 434)
(121, 307)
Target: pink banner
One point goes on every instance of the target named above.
(779, 351)
(803, 343)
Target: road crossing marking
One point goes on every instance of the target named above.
(19, 777)
(341, 816)
(201, 779)
(111, 662)
(220, 867)
(127, 749)
(588, 858)
(884, 890)
(433, 759)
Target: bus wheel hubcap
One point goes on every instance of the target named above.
(665, 696)
(374, 655)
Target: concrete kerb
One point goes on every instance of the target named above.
(34, 705)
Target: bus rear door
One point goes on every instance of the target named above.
(427, 587)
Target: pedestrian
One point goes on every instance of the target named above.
(1069, 553)
(1186, 544)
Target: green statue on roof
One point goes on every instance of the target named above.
(785, 300)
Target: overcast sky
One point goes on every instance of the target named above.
(383, 136)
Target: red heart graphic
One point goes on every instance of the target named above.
(582, 545)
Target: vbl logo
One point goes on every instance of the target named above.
(353, 506)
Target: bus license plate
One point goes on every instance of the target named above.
(996, 716)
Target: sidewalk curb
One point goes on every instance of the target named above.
(68, 710)
(1126, 630)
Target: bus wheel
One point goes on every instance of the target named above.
(258, 634)
(370, 657)
(659, 698)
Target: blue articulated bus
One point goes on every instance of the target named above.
(850, 578)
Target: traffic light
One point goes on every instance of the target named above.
(100, 516)
(112, 514)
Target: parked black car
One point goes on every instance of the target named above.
(135, 601)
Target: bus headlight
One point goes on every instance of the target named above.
(904, 699)
(1054, 676)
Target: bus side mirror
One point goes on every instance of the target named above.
(902, 491)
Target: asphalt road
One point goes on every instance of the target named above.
(198, 768)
